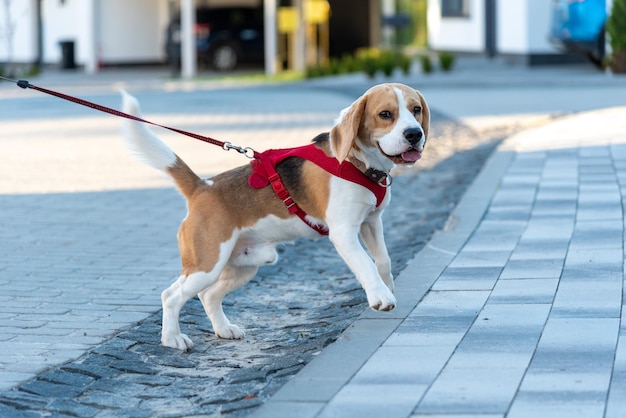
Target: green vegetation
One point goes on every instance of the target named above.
(616, 29)
(427, 64)
(446, 61)
(368, 60)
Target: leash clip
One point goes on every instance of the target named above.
(246, 151)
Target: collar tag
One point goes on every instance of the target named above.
(377, 176)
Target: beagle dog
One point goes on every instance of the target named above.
(231, 228)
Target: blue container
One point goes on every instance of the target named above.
(578, 26)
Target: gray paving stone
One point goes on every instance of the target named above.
(496, 236)
(273, 409)
(451, 304)
(504, 329)
(616, 404)
(577, 345)
(547, 382)
(9, 379)
(467, 278)
(446, 331)
(358, 400)
(588, 299)
(555, 207)
(480, 259)
(460, 415)
(18, 403)
(595, 264)
(66, 377)
(597, 234)
(403, 365)
(557, 191)
(592, 211)
(100, 399)
(49, 389)
(514, 194)
(532, 269)
(72, 408)
(557, 404)
(540, 248)
(511, 181)
(471, 390)
(508, 212)
(519, 291)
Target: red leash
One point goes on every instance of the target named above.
(247, 151)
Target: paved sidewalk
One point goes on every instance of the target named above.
(525, 314)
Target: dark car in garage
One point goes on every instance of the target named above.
(225, 37)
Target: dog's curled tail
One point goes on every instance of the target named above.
(145, 145)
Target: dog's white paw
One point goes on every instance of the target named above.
(180, 341)
(382, 299)
(230, 332)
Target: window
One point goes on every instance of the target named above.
(454, 8)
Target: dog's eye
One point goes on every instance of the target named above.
(417, 110)
(385, 114)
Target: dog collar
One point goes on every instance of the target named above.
(264, 174)
(377, 176)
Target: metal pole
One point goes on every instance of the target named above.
(188, 39)
(271, 41)
(93, 42)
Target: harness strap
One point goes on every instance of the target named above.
(264, 173)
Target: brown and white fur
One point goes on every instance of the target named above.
(231, 229)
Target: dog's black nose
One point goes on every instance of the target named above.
(413, 135)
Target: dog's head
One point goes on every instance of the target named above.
(388, 124)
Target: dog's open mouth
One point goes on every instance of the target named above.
(407, 157)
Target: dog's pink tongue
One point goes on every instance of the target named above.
(411, 156)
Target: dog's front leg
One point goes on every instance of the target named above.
(346, 241)
(374, 240)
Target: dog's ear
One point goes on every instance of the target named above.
(343, 134)
(425, 114)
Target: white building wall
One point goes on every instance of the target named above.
(65, 21)
(22, 18)
(457, 33)
(133, 31)
(121, 30)
(523, 27)
(512, 26)
(114, 31)
(539, 25)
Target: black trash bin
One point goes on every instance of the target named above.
(67, 55)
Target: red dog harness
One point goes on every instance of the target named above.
(264, 173)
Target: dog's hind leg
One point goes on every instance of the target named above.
(173, 299)
(232, 278)
(183, 289)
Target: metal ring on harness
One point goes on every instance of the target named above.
(246, 151)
